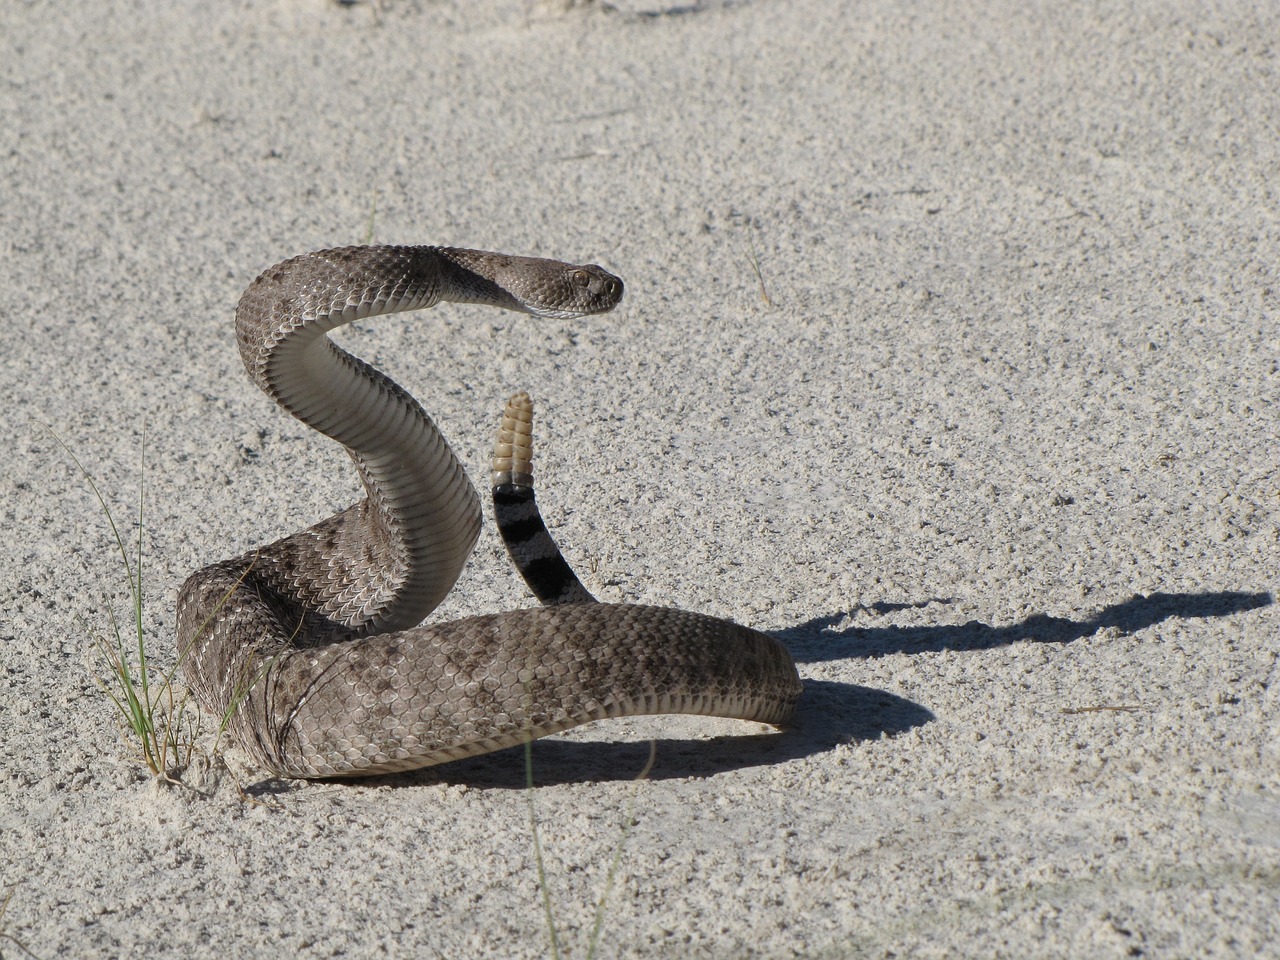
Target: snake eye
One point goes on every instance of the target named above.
(581, 278)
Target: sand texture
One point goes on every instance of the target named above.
(949, 356)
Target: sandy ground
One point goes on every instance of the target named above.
(989, 441)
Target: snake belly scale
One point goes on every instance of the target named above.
(313, 646)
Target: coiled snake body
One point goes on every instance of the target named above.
(311, 645)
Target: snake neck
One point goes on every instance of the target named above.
(391, 559)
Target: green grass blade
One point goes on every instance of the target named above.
(598, 926)
(153, 714)
(537, 852)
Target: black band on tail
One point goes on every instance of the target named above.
(532, 550)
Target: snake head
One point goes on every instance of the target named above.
(544, 288)
(570, 291)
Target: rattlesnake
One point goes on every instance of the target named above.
(311, 645)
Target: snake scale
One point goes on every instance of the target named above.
(313, 646)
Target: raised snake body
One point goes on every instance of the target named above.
(311, 645)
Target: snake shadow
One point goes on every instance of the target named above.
(829, 713)
(822, 638)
